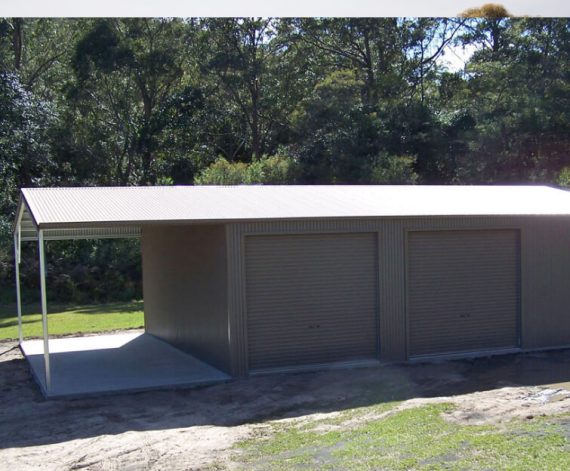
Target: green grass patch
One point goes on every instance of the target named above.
(64, 320)
(417, 438)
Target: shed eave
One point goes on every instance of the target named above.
(229, 220)
(22, 208)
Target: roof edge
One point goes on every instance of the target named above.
(23, 205)
(179, 222)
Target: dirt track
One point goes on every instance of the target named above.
(194, 429)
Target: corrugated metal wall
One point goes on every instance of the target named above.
(312, 299)
(185, 287)
(546, 283)
(545, 274)
(463, 291)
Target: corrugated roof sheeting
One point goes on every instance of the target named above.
(29, 231)
(139, 205)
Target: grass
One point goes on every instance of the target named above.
(63, 320)
(416, 438)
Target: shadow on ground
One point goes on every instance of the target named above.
(10, 310)
(110, 308)
(28, 420)
(15, 323)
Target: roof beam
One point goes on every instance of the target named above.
(118, 232)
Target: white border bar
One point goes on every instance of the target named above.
(231, 8)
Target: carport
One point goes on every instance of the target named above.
(96, 364)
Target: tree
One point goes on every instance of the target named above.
(127, 72)
(490, 33)
(334, 132)
(395, 63)
(25, 123)
(372, 47)
(26, 158)
(488, 10)
(38, 50)
(247, 73)
(429, 38)
(499, 118)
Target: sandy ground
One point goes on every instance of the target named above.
(196, 429)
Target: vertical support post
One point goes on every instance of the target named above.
(17, 258)
(44, 308)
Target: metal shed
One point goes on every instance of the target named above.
(253, 279)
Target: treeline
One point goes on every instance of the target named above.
(315, 101)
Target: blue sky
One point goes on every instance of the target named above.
(272, 7)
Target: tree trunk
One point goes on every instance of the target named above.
(255, 130)
(18, 42)
(370, 77)
(145, 138)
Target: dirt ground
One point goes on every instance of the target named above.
(197, 428)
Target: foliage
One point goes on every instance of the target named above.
(519, 92)
(564, 177)
(488, 10)
(143, 101)
(79, 272)
(336, 138)
(24, 140)
(132, 71)
(275, 170)
(94, 271)
(26, 158)
(397, 170)
(247, 67)
(222, 172)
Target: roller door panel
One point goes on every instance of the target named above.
(463, 291)
(311, 299)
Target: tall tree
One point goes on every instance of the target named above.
(38, 50)
(247, 69)
(126, 74)
(25, 155)
(518, 96)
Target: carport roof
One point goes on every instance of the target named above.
(125, 209)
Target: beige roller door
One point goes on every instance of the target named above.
(311, 299)
(463, 291)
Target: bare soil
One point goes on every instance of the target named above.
(197, 428)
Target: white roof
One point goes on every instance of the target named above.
(104, 206)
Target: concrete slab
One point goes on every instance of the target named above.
(101, 364)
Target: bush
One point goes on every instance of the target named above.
(277, 169)
(395, 170)
(564, 177)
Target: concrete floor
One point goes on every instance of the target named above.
(82, 366)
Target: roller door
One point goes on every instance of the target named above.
(311, 299)
(463, 291)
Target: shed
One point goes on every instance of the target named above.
(255, 279)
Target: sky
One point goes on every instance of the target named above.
(456, 57)
(560, 8)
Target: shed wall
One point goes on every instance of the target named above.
(185, 286)
(545, 274)
(546, 283)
